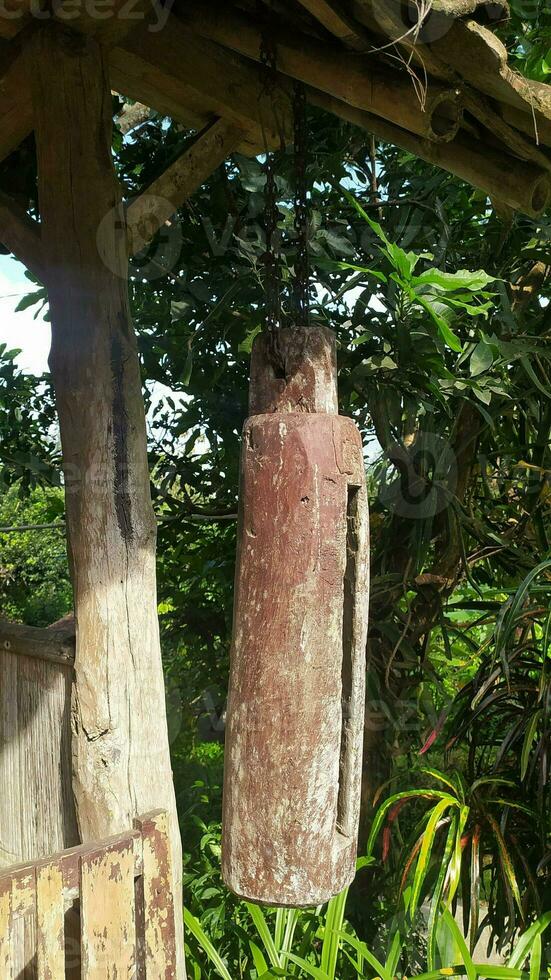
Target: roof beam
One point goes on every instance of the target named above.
(520, 185)
(16, 113)
(196, 81)
(149, 212)
(21, 235)
(348, 76)
(338, 22)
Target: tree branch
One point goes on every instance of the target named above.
(21, 235)
(154, 208)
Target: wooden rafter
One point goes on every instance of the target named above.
(520, 185)
(207, 83)
(345, 75)
(149, 212)
(21, 235)
(148, 66)
(338, 22)
(16, 113)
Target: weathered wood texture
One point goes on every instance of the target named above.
(297, 683)
(37, 814)
(121, 765)
(56, 644)
(103, 879)
(157, 205)
(304, 377)
(207, 83)
(16, 112)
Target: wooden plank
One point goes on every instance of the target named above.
(55, 645)
(158, 906)
(108, 940)
(5, 931)
(50, 914)
(149, 212)
(35, 759)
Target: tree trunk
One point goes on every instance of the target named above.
(121, 761)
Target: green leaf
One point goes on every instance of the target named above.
(197, 930)
(309, 968)
(531, 733)
(246, 346)
(448, 336)
(362, 949)
(535, 959)
(481, 358)
(30, 299)
(438, 889)
(526, 941)
(462, 279)
(459, 940)
(422, 865)
(263, 930)
(258, 958)
(333, 926)
(426, 794)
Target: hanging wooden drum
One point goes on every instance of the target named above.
(297, 685)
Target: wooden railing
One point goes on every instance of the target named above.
(117, 891)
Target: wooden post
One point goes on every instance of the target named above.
(121, 761)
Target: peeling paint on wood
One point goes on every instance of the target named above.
(297, 684)
(159, 950)
(5, 931)
(104, 879)
(50, 912)
(108, 932)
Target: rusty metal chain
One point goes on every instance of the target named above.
(271, 257)
(301, 284)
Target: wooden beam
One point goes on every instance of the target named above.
(348, 76)
(55, 644)
(338, 22)
(121, 762)
(206, 84)
(16, 112)
(520, 185)
(149, 212)
(21, 234)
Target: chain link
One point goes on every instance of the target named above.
(302, 266)
(271, 257)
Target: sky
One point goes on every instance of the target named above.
(21, 330)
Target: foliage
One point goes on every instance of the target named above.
(28, 446)
(34, 576)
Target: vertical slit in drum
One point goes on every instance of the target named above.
(345, 803)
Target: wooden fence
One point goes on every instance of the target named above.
(101, 911)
